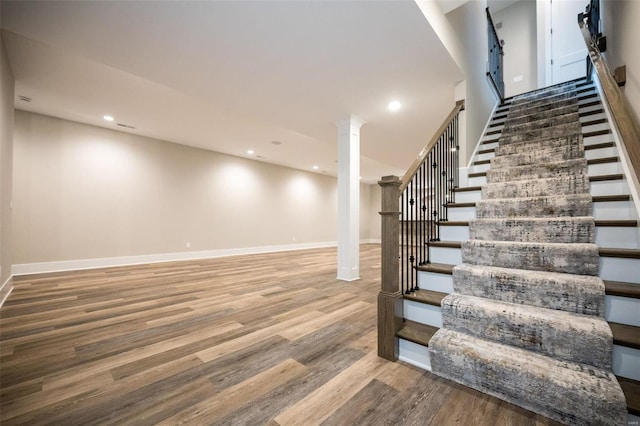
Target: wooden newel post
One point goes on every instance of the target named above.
(390, 308)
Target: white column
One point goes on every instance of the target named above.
(349, 198)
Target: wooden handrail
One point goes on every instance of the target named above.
(423, 153)
(623, 115)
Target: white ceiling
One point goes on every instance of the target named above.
(235, 75)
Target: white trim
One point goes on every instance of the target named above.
(486, 127)
(371, 241)
(74, 265)
(4, 284)
(627, 168)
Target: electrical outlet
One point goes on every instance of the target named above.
(188, 244)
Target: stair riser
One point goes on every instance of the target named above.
(620, 269)
(571, 205)
(423, 313)
(578, 294)
(468, 196)
(414, 354)
(593, 154)
(454, 233)
(548, 231)
(609, 187)
(605, 169)
(538, 171)
(618, 237)
(623, 310)
(551, 333)
(579, 259)
(566, 397)
(626, 362)
(461, 213)
(595, 127)
(435, 282)
(592, 117)
(449, 256)
(591, 140)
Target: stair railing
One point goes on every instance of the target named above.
(412, 208)
(496, 54)
(623, 115)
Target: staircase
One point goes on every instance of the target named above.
(533, 292)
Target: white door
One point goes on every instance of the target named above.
(568, 51)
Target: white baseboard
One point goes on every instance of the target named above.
(5, 290)
(371, 241)
(75, 265)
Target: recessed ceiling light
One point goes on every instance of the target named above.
(315, 167)
(250, 152)
(107, 117)
(394, 106)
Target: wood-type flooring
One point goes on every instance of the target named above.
(248, 340)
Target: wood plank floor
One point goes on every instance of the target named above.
(248, 340)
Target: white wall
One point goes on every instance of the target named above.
(82, 192)
(6, 165)
(470, 24)
(620, 19)
(520, 49)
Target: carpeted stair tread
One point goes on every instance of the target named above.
(568, 109)
(512, 127)
(538, 171)
(565, 98)
(543, 155)
(428, 297)
(580, 294)
(563, 335)
(539, 206)
(547, 132)
(625, 335)
(568, 392)
(417, 332)
(576, 258)
(623, 289)
(548, 229)
(571, 185)
(538, 144)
